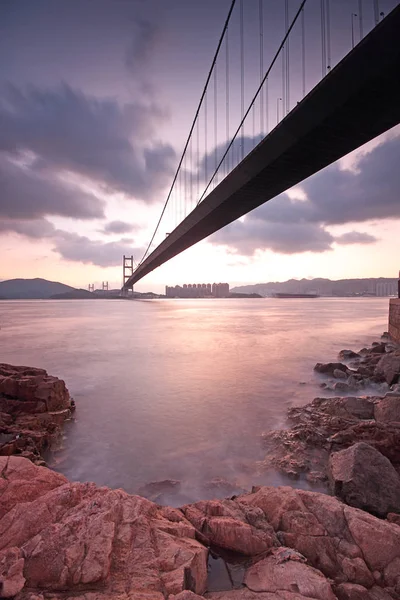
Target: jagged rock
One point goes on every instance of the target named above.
(329, 368)
(339, 374)
(271, 575)
(33, 408)
(364, 478)
(324, 426)
(378, 348)
(82, 542)
(348, 354)
(389, 367)
(12, 579)
(388, 409)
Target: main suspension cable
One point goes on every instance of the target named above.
(192, 127)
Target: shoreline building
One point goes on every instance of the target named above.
(198, 290)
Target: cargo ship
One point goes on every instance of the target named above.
(282, 295)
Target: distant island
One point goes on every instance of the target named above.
(42, 289)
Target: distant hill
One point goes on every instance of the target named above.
(77, 294)
(380, 286)
(14, 289)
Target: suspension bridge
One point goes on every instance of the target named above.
(266, 120)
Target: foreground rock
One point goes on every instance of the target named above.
(61, 540)
(364, 478)
(33, 406)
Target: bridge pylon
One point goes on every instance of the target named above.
(127, 268)
(91, 287)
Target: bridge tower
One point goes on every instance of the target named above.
(91, 287)
(127, 267)
(104, 286)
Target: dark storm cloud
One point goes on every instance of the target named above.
(25, 194)
(334, 197)
(96, 138)
(118, 227)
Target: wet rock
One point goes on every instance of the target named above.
(348, 354)
(389, 367)
(378, 348)
(222, 487)
(324, 426)
(329, 368)
(88, 543)
(33, 406)
(339, 374)
(272, 575)
(156, 489)
(341, 386)
(364, 478)
(388, 409)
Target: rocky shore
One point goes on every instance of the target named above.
(62, 541)
(33, 408)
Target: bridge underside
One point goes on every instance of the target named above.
(357, 101)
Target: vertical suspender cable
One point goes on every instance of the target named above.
(205, 137)
(242, 75)
(227, 97)
(198, 158)
(376, 12)
(360, 18)
(303, 52)
(287, 100)
(215, 117)
(323, 42)
(260, 17)
(191, 171)
(328, 35)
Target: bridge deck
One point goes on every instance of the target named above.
(357, 101)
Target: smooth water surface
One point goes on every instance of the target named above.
(180, 389)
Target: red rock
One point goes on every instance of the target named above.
(11, 572)
(88, 543)
(389, 367)
(388, 409)
(364, 478)
(271, 575)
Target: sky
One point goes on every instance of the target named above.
(96, 101)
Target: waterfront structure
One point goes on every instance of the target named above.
(198, 290)
(386, 288)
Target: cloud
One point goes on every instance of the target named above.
(355, 237)
(118, 227)
(74, 247)
(110, 144)
(71, 246)
(26, 194)
(245, 237)
(331, 197)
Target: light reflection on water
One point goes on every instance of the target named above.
(181, 389)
